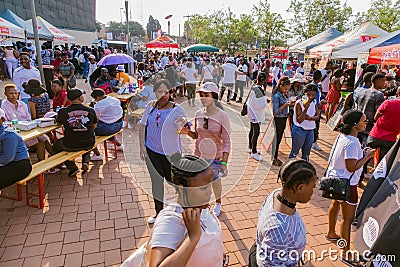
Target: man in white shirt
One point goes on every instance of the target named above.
(241, 76)
(228, 81)
(164, 61)
(301, 69)
(23, 74)
(276, 73)
(326, 77)
(109, 113)
(190, 75)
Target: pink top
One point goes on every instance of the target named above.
(21, 110)
(212, 142)
(9, 53)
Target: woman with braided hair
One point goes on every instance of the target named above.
(186, 232)
(346, 161)
(281, 233)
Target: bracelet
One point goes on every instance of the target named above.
(224, 163)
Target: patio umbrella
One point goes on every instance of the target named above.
(202, 48)
(115, 59)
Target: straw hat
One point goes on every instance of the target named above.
(298, 78)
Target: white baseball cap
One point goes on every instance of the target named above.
(209, 87)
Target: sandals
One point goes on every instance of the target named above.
(277, 162)
(332, 239)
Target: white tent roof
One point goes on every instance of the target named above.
(11, 30)
(314, 41)
(353, 51)
(365, 31)
(48, 31)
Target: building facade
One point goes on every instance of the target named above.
(68, 14)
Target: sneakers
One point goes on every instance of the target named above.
(96, 158)
(249, 151)
(85, 167)
(277, 162)
(152, 219)
(240, 100)
(316, 146)
(73, 172)
(120, 148)
(217, 209)
(256, 156)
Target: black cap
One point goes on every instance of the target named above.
(262, 76)
(73, 94)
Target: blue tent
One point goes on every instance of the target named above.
(353, 51)
(14, 19)
(314, 41)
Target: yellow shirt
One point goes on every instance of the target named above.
(123, 75)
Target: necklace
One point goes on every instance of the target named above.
(162, 106)
(286, 202)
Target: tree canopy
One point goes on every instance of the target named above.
(384, 13)
(311, 17)
(119, 29)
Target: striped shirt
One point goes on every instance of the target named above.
(281, 238)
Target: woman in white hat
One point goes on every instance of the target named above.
(212, 135)
(295, 92)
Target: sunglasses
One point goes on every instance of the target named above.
(205, 125)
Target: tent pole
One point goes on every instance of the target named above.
(37, 44)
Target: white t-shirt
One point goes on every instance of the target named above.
(325, 83)
(229, 73)
(190, 75)
(275, 73)
(169, 231)
(208, 70)
(22, 75)
(348, 147)
(243, 68)
(149, 92)
(108, 110)
(300, 70)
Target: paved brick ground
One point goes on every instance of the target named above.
(99, 218)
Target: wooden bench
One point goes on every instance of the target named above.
(135, 114)
(39, 168)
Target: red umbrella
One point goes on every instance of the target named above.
(162, 42)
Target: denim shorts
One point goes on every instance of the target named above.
(104, 129)
(216, 165)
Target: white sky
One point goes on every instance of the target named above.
(107, 10)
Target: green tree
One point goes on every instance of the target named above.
(98, 26)
(384, 13)
(153, 25)
(311, 17)
(118, 29)
(271, 27)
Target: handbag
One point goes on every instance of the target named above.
(243, 112)
(334, 187)
(140, 258)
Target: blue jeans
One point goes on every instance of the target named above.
(104, 129)
(85, 66)
(301, 139)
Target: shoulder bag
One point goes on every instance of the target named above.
(244, 107)
(334, 187)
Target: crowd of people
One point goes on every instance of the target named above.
(186, 231)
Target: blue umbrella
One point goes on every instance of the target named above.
(115, 59)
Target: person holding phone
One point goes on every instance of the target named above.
(212, 135)
(306, 112)
(280, 107)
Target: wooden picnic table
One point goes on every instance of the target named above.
(28, 135)
(124, 97)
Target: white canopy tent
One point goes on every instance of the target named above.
(314, 41)
(353, 51)
(50, 32)
(363, 33)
